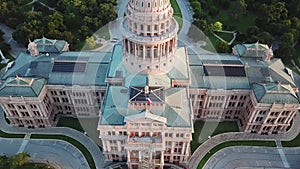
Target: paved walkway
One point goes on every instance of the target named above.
(60, 154)
(204, 148)
(91, 146)
(246, 157)
(15, 46)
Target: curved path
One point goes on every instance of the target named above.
(90, 145)
(58, 153)
(255, 157)
(15, 46)
(204, 148)
(187, 17)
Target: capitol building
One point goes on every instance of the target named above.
(148, 91)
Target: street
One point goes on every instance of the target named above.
(55, 152)
(255, 157)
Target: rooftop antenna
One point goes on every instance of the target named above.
(4, 60)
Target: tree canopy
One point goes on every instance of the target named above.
(72, 20)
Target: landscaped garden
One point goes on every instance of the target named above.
(177, 13)
(293, 143)
(72, 141)
(205, 129)
(266, 22)
(70, 122)
(233, 143)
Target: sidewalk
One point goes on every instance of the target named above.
(204, 148)
(80, 137)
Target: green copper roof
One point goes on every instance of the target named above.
(251, 50)
(26, 87)
(274, 93)
(115, 107)
(45, 45)
(94, 73)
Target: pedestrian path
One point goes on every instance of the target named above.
(23, 145)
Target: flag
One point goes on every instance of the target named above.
(149, 101)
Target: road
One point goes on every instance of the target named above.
(55, 152)
(16, 47)
(255, 157)
(187, 16)
(91, 146)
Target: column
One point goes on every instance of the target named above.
(168, 47)
(6, 109)
(164, 49)
(152, 52)
(183, 148)
(135, 51)
(158, 50)
(162, 159)
(144, 52)
(128, 156)
(129, 48)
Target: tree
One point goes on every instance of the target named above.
(108, 12)
(237, 8)
(90, 41)
(196, 8)
(19, 160)
(265, 37)
(217, 26)
(287, 39)
(222, 47)
(4, 163)
(202, 25)
(55, 25)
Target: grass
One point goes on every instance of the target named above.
(103, 32)
(177, 13)
(233, 143)
(242, 24)
(37, 166)
(72, 141)
(7, 135)
(225, 36)
(175, 7)
(293, 143)
(70, 122)
(204, 129)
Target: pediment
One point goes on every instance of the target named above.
(145, 115)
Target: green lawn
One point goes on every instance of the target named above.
(175, 7)
(233, 143)
(241, 24)
(72, 141)
(204, 129)
(225, 36)
(103, 32)
(7, 135)
(177, 13)
(70, 122)
(293, 143)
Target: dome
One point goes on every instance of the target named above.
(150, 37)
(149, 5)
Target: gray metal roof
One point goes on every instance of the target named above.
(19, 86)
(274, 93)
(67, 68)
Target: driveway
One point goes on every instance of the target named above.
(56, 152)
(255, 157)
